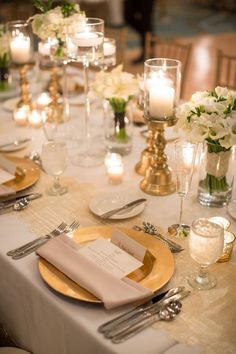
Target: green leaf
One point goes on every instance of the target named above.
(43, 6)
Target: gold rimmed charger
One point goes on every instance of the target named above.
(30, 176)
(156, 271)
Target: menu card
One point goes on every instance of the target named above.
(119, 257)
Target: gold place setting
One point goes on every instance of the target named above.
(110, 226)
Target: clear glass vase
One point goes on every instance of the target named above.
(118, 129)
(216, 175)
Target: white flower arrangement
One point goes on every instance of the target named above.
(210, 116)
(54, 23)
(4, 48)
(116, 86)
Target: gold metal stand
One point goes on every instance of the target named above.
(25, 99)
(158, 178)
(55, 111)
(147, 154)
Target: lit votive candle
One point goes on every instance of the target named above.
(225, 223)
(108, 48)
(88, 39)
(20, 49)
(161, 101)
(115, 168)
(35, 119)
(43, 101)
(229, 239)
(21, 116)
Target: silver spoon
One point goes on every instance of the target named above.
(20, 204)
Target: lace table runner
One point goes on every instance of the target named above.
(207, 318)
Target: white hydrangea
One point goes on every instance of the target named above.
(52, 24)
(210, 115)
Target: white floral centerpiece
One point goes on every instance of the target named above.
(118, 88)
(210, 116)
(56, 23)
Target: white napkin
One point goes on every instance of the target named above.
(63, 253)
(7, 165)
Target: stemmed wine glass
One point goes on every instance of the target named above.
(86, 47)
(54, 161)
(206, 242)
(184, 160)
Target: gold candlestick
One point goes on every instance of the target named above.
(25, 99)
(147, 154)
(158, 178)
(55, 112)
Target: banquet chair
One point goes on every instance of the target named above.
(225, 70)
(12, 350)
(120, 35)
(159, 48)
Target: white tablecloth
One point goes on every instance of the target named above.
(46, 322)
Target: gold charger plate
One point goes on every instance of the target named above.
(31, 174)
(158, 265)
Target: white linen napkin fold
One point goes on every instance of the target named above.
(63, 253)
(7, 165)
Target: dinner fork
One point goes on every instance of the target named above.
(67, 230)
(60, 228)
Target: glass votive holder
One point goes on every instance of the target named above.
(35, 118)
(114, 167)
(229, 239)
(43, 101)
(20, 115)
(220, 220)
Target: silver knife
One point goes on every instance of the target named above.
(155, 308)
(15, 143)
(125, 207)
(108, 326)
(9, 203)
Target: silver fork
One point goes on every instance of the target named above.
(73, 226)
(152, 230)
(60, 228)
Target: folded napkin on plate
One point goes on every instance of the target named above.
(6, 191)
(10, 167)
(63, 253)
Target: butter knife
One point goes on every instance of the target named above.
(9, 203)
(154, 309)
(15, 143)
(105, 327)
(125, 207)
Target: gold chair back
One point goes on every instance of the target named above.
(225, 70)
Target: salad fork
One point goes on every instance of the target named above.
(59, 229)
(68, 229)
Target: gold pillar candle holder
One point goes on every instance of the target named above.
(162, 78)
(55, 111)
(158, 176)
(147, 154)
(25, 98)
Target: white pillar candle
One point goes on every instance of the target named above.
(43, 101)
(161, 101)
(108, 49)
(20, 116)
(88, 39)
(35, 119)
(20, 49)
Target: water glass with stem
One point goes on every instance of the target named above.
(184, 161)
(54, 161)
(206, 242)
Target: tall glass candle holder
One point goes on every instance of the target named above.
(85, 45)
(162, 79)
(21, 52)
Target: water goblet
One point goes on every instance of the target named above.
(184, 160)
(54, 161)
(206, 243)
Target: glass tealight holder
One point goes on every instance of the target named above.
(229, 239)
(114, 168)
(162, 78)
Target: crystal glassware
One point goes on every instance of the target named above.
(54, 160)
(85, 46)
(184, 160)
(206, 241)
